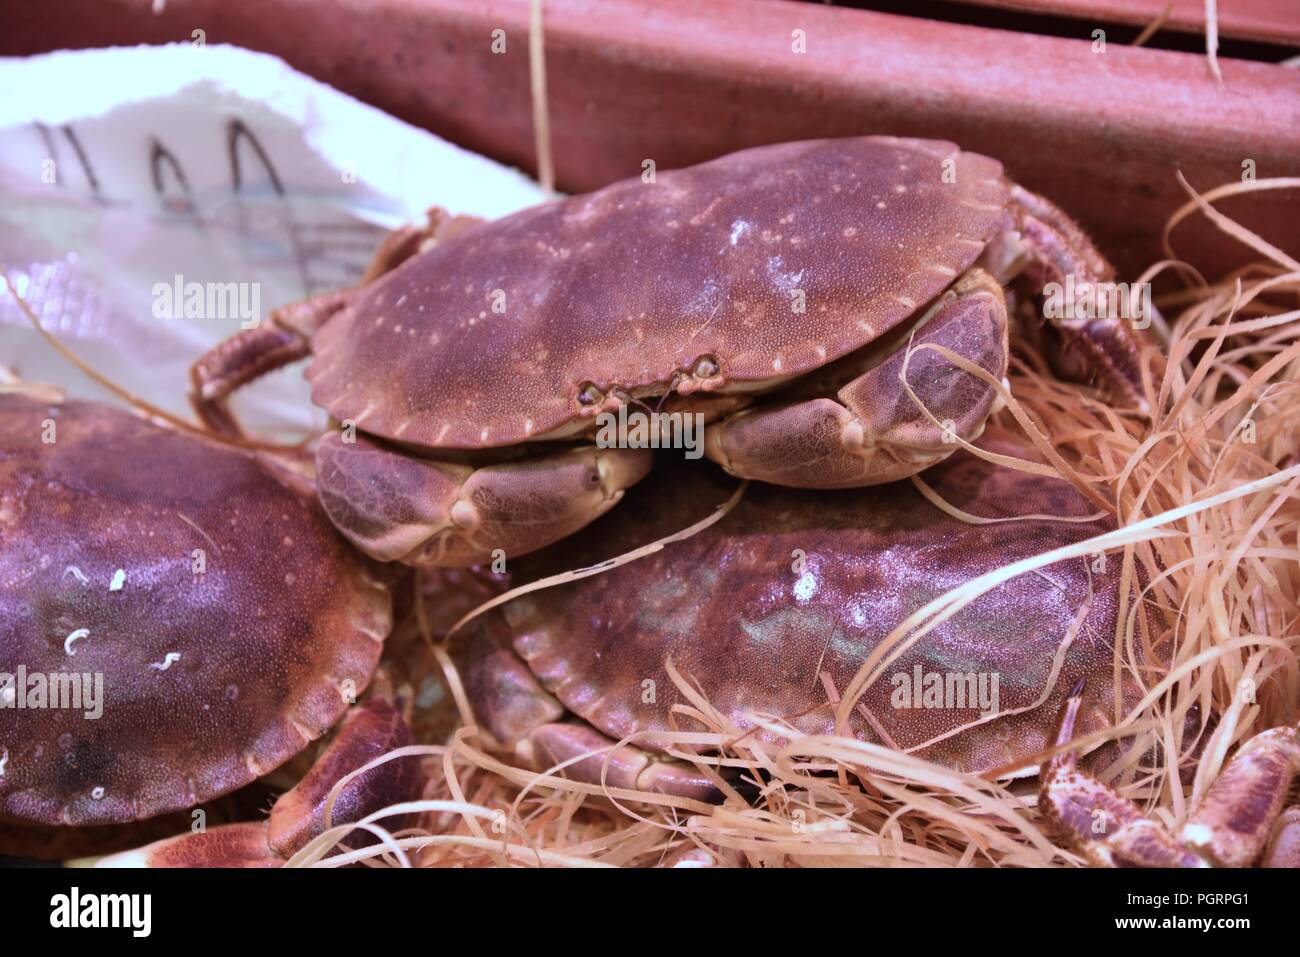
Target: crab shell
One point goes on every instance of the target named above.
(773, 610)
(228, 620)
(687, 282)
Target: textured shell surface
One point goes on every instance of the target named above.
(203, 590)
(770, 262)
(775, 608)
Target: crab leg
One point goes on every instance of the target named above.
(397, 508)
(1082, 349)
(1101, 824)
(372, 728)
(1229, 828)
(231, 845)
(1234, 822)
(253, 353)
(873, 432)
(407, 241)
(520, 714)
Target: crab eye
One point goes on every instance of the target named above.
(589, 395)
(706, 367)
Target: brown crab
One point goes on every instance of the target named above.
(774, 292)
(773, 610)
(190, 621)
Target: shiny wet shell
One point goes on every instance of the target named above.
(777, 606)
(223, 614)
(761, 265)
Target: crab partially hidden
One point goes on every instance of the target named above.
(772, 611)
(776, 292)
(190, 621)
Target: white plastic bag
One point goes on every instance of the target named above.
(127, 173)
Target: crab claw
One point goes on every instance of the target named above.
(874, 431)
(370, 730)
(521, 715)
(397, 508)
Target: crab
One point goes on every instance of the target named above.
(779, 293)
(201, 622)
(772, 611)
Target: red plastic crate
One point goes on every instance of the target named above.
(678, 81)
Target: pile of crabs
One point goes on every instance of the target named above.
(185, 610)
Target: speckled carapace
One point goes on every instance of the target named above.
(630, 286)
(773, 610)
(774, 292)
(227, 620)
